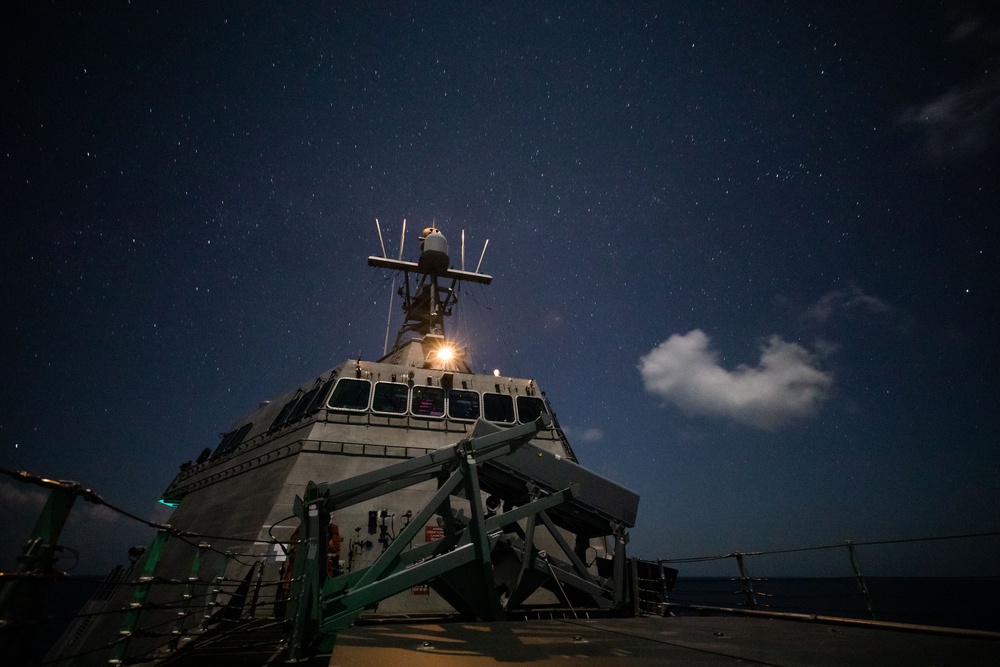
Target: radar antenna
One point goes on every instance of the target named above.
(428, 303)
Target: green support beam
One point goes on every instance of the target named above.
(120, 649)
(459, 566)
(22, 597)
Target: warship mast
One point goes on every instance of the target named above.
(421, 341)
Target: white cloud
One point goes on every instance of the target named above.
(22, 497)
(786, 385)
(100, 513)
(850, 301)
(962, 122)
(592, 435)
(959, 123)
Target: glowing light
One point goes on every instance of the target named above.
(445, 353)
(496, 372)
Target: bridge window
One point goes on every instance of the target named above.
(303, 404)
(282, 417)
(232, 440)
(528, 408)
(498, 408)
(318, 400)
(427, 402)
(390, 397)
(463, 404)
(351, 394)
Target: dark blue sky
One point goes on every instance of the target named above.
(750, 253)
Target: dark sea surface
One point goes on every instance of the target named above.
(63, 600)
(958, 602)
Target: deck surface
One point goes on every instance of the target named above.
(639, 642)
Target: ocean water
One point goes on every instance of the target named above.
(63, 600)
(958, 602)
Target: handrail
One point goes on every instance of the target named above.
(186, 604)
(750, 587)
(840, 545)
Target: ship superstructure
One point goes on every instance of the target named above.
(419, 405)
(358, 417)
(410, 487)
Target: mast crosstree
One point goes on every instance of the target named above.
(421, 340)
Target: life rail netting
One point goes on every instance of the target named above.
(743, 590)
(182, 605)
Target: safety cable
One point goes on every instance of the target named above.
(704, 559)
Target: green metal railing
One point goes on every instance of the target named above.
(320, 606)
(23, 592)
(459, 565)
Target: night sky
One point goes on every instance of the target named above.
(749, 250)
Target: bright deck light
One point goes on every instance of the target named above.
(445, 353)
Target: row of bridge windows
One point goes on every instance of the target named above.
(397, 398)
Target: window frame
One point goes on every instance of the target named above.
(479, 405)
(513, 412)
(406, 402)
(413, 397)
(231, 440)
(534, 400)
(368, 403)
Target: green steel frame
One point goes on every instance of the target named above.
(460, 565)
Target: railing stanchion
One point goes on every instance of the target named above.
(259, 566)
(215, 589)
(139, 596)
(189, 590)
(747, 584)
(861, 580)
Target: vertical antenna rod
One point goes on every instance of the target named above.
(392, 290)
(379, 228)
(482, 255)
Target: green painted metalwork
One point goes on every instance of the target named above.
(620, 594)
(459, 566)
(22, 598)
(482, 585)
(528, 578)
(131, 618)
(309, 570)
(189, 591)
(341, 605)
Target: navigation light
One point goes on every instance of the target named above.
(445, 353)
